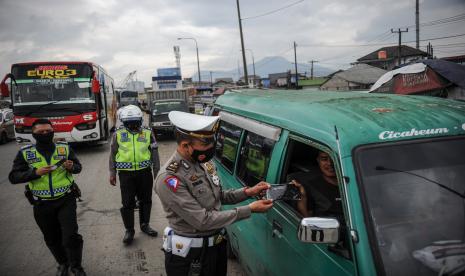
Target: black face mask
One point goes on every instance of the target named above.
(45, 139)
(209, 153)
(133, 125)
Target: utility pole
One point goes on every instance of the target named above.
(211, 78)
(399, 51)
(311, 70)
(295, 63)
(417, 22)
(246, 78)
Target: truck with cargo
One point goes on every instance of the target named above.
(160, 103)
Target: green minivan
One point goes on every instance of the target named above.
(399, 163)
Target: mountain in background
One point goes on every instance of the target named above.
(266, 66)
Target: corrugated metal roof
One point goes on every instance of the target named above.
(392, 52)
(362, 73)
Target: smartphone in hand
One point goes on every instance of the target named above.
(285, 191)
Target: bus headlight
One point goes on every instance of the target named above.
(86, 126)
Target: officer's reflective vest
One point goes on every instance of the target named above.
(55, 183)
(133, 150)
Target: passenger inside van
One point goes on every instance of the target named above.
(320, 192)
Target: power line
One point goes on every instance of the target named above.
(273, 11)
(376, 44)
(455, 18)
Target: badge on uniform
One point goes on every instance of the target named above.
(124, 137)
(141, 137)
(30, 155)
(216, 180)
(172, 182)
(210, 168)
(61, 150)
(185, 165)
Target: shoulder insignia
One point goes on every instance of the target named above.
(173, 167)
(185, 165)
(172, 182)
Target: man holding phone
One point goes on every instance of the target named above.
(49, 169)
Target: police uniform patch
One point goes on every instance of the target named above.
(172, 182)
(141, 137)
(61, 150)
(124, 137)
(194, 178)
(185, 165)
(30, 155)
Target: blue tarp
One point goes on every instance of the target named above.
(453, 72)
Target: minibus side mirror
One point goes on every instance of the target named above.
(95, 86)
(319, 230)
(5, 92)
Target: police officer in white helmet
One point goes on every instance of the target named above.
(134, 155)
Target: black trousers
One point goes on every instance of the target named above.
(215, 262)
(58, 222)
(136, 184)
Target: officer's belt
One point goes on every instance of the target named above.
(212, 240)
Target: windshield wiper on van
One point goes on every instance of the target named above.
(40, 107)
(381, 168)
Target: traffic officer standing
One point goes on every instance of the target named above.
(133, 151)
(53, 193)
(191, 195)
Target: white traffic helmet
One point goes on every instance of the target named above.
(130, 113)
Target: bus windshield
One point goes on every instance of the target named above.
(39, 84)
(416, 200)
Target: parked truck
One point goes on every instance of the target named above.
(160, 103)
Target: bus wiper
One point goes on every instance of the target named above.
(381, 168)
(40, 107)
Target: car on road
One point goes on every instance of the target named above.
(400, 173)
(7, 131)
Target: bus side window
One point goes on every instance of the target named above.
(254, 159)
(227, 144)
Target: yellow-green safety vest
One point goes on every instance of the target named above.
(133, 150)
(55, 183)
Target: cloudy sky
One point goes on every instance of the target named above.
(126, 35)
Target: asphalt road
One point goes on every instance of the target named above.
(23, 251)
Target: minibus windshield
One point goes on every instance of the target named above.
(414, 192)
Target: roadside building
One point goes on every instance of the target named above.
(456, 59)
(285, 79)
(308, 83)
(254, 80)
(359, 77)
(223, 82)
(387, 57)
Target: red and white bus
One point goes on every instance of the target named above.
(77, 97)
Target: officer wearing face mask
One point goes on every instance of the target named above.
(134, 154)
(53, 193)
(191, 194)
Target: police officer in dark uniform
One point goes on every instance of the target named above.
(133, 152)
(53, 193)
(191, 194)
